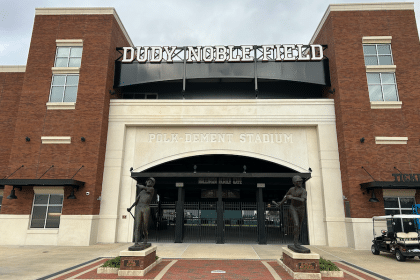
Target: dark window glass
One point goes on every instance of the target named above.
(390, 202)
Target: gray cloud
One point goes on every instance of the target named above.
(180, 23)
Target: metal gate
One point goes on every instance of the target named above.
(240, 222)
(279, 226)
(200, 222)
(162, 222)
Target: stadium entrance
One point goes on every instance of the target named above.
(221, 199)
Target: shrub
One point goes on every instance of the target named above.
(115, 262)
(326, 265)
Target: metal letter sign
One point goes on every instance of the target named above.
(169, 54)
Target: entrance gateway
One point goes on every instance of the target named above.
(221, 199)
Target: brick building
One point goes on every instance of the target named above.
(222, 136)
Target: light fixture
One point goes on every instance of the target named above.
(331, 91)
(195, 168)
(362, 140)
(72, 196)
(13, 193)
(244, 169)
(83, 139)
(373, 198)
(27, 139)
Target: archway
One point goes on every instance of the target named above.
(218, 190)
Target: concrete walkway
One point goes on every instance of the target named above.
(33, 262)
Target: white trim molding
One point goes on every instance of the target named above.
(56, 139)
(61, 105)
(12, 68)
(85, 11)
(376, 39)
(390, 140)
(385, 104)
(69, 42)
(398, 193)
(49, 190)
(361, 7)
(381, 68)
(65, 70)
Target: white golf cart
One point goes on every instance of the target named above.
(399, 236)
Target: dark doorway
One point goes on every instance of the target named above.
(195, 207)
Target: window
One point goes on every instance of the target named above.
(397, 206)
(382, 86)
(64, 88)
(378, 54)
(68, 57)
(46, 210)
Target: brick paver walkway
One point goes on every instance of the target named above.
(185, 269)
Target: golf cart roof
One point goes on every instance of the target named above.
(387, 217)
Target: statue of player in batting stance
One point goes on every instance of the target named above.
(297, 196)
(142, 214)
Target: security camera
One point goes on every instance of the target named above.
(87, 193)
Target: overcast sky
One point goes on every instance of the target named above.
(181, 23)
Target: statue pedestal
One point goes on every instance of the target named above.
(137, 263)
(300, 266)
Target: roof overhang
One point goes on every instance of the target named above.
(41, 182)
(389, 185)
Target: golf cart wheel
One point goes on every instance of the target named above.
(374, 249)
(399, 256)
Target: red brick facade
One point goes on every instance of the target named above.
(27, 115)
(343, 32)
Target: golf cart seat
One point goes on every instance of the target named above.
(408, 238)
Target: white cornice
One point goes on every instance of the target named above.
(361, 7)
(85, 11)
(12, 68)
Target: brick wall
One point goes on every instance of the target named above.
(101, 35)
(343, 32)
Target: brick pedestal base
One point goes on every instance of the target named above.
(137, 263)
(300, 266)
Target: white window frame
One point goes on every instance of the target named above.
(68, 56)
(49, 192)
(65, 85)
(399, 204)
(382, 86)
(377, 55)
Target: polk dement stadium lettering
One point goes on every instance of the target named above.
(297, 52)
(221, 138)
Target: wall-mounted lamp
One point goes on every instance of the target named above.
(195, 168)
(362, 140)
(244, 169)
(83, 139)
(373, 198)
(12, 192)
(27, 139)
(111, 92)
(331, 91)
(72, 196)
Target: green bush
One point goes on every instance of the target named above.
(326, 265)
(115, 262)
